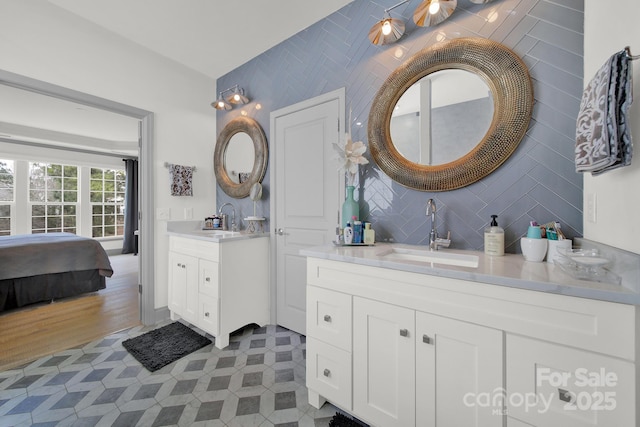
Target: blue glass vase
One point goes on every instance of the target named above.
(350, 207)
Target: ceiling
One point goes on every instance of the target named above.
(212, 37)
(209, 36)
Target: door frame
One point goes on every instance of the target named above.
(340, 95)
(145, 157)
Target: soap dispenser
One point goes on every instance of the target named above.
(494, 238)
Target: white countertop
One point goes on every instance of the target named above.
(509, 270)
(193, 230)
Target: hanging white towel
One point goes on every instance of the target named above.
(181, 180)
(603, 139)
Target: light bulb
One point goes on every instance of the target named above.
(236, 97)
(221, 104)
(434, 7)
(386, 27)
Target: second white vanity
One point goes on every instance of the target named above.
(218, 281)
(401, 342)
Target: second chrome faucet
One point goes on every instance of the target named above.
(434, 241)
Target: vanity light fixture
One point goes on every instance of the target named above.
(432, 12)
(389, 29)
(237, 96)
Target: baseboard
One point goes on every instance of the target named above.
(162, 314)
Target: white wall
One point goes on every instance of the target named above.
(608, 29)
(41, 41)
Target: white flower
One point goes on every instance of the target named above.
(351, 154)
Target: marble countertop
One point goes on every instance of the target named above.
(193, 230)
(509, 270)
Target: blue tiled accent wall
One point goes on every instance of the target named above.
(538, 182)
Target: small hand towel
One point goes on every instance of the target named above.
(181, 180)
(603, 140)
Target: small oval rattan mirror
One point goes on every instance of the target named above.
(238, 184)
(512, 92)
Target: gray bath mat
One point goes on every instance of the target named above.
(162, 346)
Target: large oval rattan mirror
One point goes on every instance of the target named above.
(234, 153)
(511, 90)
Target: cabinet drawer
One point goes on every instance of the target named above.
(208, 314)
(195, 247)
(329, 372)
(567, 387)
(209, 278)
(329, 317)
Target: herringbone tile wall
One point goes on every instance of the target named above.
(537, 182)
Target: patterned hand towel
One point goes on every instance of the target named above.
(603, 140)
(181, 179)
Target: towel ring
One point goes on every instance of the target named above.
(627, 50)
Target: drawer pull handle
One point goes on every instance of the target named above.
(327, 372)
(206, 314)
(404, 333)
(183, 266)
(565, 395)
(327, 318)
(426, 339)
(179, 265)
(207, 279)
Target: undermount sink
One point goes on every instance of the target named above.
(429, 257)
(216, 233)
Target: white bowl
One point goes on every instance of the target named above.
(533, 250)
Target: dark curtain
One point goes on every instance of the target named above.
(130, 243)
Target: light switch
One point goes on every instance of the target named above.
(188, 213)
(592, 211)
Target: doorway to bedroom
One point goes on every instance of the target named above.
(120, 305)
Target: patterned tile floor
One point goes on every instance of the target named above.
(258, 380)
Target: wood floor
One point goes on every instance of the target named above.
(32, 332)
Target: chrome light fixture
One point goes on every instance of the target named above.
(221, 103)
(237, 96)
(389, 29)
(432, 12)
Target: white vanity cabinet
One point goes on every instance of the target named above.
(414, 368)
(411, 349)
(219, 286)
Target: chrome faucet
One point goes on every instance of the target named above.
(434, 241)
(233, 217)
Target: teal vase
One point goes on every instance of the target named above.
(350, 207)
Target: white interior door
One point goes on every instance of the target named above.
(306, 194)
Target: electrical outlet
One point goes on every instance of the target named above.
(163, 214)
(592, 211)
(188, 213)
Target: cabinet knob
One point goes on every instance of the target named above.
(206, 314)
(426, 339)
(179, 265)
(565, 395)
(327, 318)
(327, 372)
(207, 279)
(404, 333)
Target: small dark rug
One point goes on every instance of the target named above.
(341, 420)
(162, 346)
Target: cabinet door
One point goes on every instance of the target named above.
(383, 363)
(458, 364)
(183, 286)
